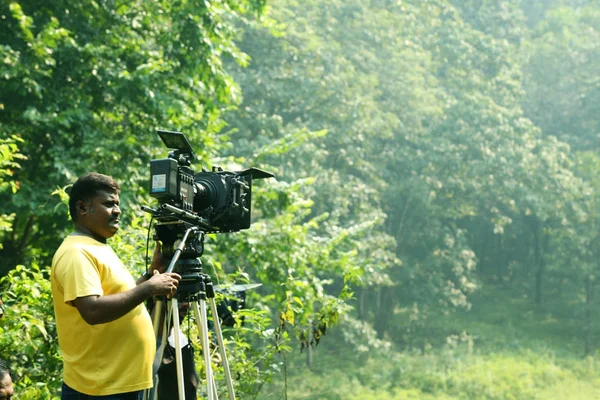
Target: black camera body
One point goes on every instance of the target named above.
(216, 201)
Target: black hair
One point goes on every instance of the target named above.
(87, 186)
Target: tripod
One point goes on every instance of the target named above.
(196, 287)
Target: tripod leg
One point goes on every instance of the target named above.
(164, 334)
(178, 359)
(201, 321)
(160, 323)
(217, 325)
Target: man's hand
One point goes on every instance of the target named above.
(163, 284)
(159, 263)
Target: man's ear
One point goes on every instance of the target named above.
(82, 207)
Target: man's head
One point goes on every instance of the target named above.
(6, 385)
(94, 205)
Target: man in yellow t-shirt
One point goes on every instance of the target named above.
(105, 333)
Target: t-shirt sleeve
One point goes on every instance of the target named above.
(79, 276)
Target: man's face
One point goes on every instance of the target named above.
(100, 215)
(6, 388)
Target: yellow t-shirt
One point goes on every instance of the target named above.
(103, 359)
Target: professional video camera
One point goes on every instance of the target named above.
(213, 201)
(217, 200)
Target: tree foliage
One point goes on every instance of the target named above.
(92, 81)
(425, 151)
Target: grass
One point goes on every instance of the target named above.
(502, 349)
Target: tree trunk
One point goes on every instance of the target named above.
(360, 307)
(383, 312)
(589, 294)
(539, 279)
(540, 243)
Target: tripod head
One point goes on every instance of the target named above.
(179, 234)
(173, 233)
(183, 244)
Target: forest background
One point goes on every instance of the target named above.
(433, 223)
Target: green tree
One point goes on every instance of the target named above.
(9, 157)
(564, 50)
(91, 81)
(424, 130)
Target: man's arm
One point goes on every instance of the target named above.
(102, 309)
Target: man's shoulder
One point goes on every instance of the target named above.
(76, 245)
(70, 244)
(81, 242)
